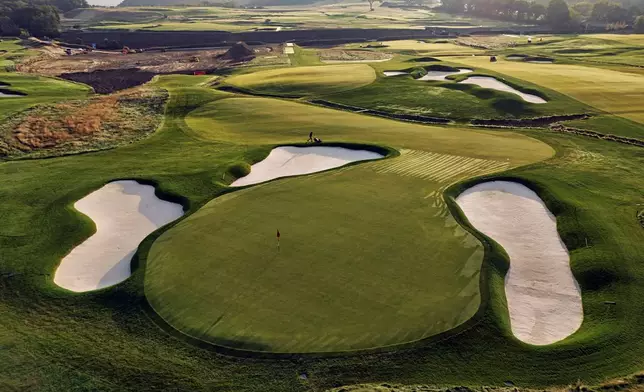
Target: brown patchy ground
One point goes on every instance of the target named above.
(53, 61)
(98, 123)
(633, 383)
(352, 55)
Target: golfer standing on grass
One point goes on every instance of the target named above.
(310, 137)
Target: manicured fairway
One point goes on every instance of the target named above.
(264, 121)
(306, 80)
(437, 49)
(619, 93)
(370, 255)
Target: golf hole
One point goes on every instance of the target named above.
(293, 161)
(494, 84)
(124, 212)
(544, 299)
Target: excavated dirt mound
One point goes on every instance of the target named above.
(108, 81)
(239, 52)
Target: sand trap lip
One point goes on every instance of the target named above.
(124, 212)
(293, 161)
(395, 73)
(494, 84)
(442, 75)
(544, 299)
(540, 61)
(5, 94)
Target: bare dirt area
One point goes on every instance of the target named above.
(98, 123)
(333, 55)
(109, 71)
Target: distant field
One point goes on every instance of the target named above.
(428, 48)
(306, 80)
(297, 16)
(616, 92)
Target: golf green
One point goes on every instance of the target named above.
(370, 256)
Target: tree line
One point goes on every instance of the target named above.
(557, 14)
(35, 17)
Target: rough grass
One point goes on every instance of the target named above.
(306, 80)
(38, 90)
(75, 126)
(618, 93)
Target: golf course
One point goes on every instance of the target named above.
(310, 226)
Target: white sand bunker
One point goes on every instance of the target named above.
(442, 75)
(9, 95)
(395, 73)
(293, 161)
(488, 82)
(543, 296)
(124, 212)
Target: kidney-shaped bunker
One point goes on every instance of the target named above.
(293, 161)
(543, 296)
(124, 212)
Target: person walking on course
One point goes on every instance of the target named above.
(310, 137)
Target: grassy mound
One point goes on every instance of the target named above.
(306, 80)
(612, 91)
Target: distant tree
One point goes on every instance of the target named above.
(584, 8)
(68, 5)
(454, 6)
(8, 28)
(371, 3)
(638, 26)
(522, 9)
(558, 14)
(537, 11)
(41, 20)
(610, 12)
(633, 12)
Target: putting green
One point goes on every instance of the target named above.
(619, 93)
(370, 256)
(306, 80)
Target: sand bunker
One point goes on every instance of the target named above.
(124, 212)
(494, 84)
(441, 75)
(293, 161)
(4, 94)
(515, 58)
(395, 73)
(543, 296)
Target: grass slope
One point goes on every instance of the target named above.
(306, 80)
(615, 92)
(272, 121)
(38, 90)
